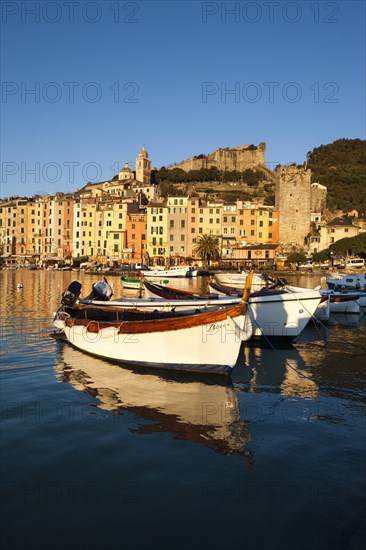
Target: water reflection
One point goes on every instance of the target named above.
(284, 369)
(346, 320)
(198, 410)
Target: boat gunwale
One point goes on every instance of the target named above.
(161, 325)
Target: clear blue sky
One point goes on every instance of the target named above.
(109, 77)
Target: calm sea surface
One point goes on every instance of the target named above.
(102, 457)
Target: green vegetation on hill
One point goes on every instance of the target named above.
(341, 167)
(167, 179)
(177, 175)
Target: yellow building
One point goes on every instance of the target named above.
(111, 218)
(157, 231)
(8, 215)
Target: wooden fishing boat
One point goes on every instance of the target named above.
(154, 290)
(222, 290)
(202, 342)
(276, 313)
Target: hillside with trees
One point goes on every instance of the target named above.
(215, 183)
(341, 167)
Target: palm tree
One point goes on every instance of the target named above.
(207, 248)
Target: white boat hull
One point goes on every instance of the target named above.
(170, 272)
(212, 347)
(131, 285)
(285, 317)
(340, 302)
(237, 280)
(322, 311)
(343, 303)
(352, 306)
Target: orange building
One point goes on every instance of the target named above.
(257, 224)
(136, 227)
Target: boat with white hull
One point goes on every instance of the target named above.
(203, 342)
(167, 272)
(349, 283)
(135, 283)
(343, 302)
(275, 313)
(339, 302)
(238, 279)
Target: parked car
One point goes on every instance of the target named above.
(355, 263)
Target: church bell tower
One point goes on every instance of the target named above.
(143, 167)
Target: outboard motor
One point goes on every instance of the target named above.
(101, 290)
(71, 294)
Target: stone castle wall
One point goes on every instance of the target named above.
(293, 200)
(318, 197)
(240, 158)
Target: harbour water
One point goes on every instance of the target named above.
(98, 456)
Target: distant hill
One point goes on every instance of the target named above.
(341, 167)
(229, 185)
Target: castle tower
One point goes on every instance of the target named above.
(143, 167)
(293, 200)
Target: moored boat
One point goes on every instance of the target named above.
(339, 302)
(163, 272)
(154, 290)
(201, 342)
(349, 283)
(222, 290)
(238, 279)
(131, 282)
(275, 313)
(343, 302)
(136, 283)
(321, 312)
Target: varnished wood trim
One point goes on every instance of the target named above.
(161, 325)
